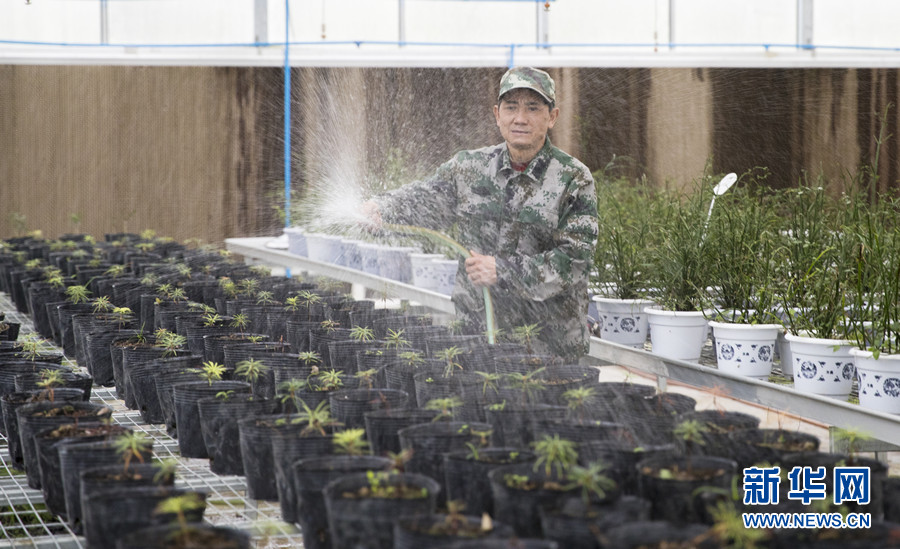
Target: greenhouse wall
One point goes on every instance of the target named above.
(198, 151)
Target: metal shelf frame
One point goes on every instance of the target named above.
(881, 426)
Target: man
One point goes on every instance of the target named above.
(525, 209)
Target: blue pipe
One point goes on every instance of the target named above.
(287, 120)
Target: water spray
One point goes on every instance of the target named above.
(461, 250)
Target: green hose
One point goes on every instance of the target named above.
(461, 250)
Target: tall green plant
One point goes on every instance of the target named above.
(742, 234)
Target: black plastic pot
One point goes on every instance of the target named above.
(348, 406)
(115, 513)
(520, 507)
(34, 418)
(66, 313)
(256, 435)
(77, 380)
(106, 479)
(383, 425)
(621, 458)
(13, 401)
(428, 443)
(431, 384)
(187, 412)
(291, 444)
(581, 432)
(514, 425)
(219, 426)
(368, 521)
(133, 356)
(143, 383)
(753, 446)
(214, 345)
(48, 442)
(10, 369)
(652, 418)
(719, 425)
(523, 364)
(679, 500)
(76, 458)
(311, 476)
(466, 477)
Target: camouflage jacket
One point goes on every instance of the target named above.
(540, 225)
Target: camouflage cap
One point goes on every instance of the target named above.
(527, 77)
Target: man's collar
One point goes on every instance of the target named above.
(536, 168)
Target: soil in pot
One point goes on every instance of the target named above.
(441, 531)
(189, 537)
(363, 506)
(466, 474)
(219, 417)
(311, 476)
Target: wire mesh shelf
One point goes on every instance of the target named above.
(25, 521)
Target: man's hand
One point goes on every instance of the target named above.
(482, 269)
(370, 216)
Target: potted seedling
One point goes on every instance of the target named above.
(671, 483)
(362, 506)
(186, 398)
(521, 490)
(313, 474)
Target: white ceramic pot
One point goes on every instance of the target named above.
(623, 321)
(424, 271)
(368, 257)
(879, 380)
(677, 334)
(445, 272)
(350, 256)
(745, 349)
(822, 366)
(325, 248)
(296, 241)
(394, 263)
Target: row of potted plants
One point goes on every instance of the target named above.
(802, 271)
(372, 420)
